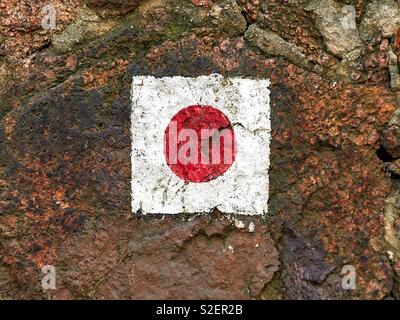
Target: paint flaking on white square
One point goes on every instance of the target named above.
(243, 189)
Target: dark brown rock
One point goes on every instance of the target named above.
(391, 141)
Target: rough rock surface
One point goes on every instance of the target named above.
(330, 19)
(65, 153)
(382, 16)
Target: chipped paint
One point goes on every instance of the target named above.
(243, 189)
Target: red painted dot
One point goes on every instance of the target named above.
(199, 143)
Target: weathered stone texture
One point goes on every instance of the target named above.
(65, 155)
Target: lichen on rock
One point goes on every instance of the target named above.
(382, 16)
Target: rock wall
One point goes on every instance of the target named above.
(65, 150)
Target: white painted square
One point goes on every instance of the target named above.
(243, 189)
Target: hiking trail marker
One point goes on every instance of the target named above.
(199, 144)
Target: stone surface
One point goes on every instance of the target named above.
(382, 16)
(274, 45)
(113, 7)
(65, 157)
(335, 27)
